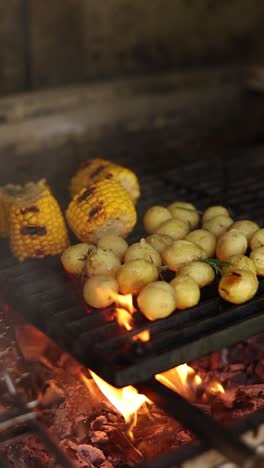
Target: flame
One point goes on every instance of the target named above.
(124, 310)
(126, 400)
(215, 388)
(125, 301)
(181, 379)
(184, 380)
(124, 318)
(143, 336)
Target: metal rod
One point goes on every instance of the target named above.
(201, 424)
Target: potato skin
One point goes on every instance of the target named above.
(257, 240)
(238, 286)
(73, 258)
(98, 291)
(205, 239)
(239, 262)
(186, 212)
(187, 291)
(102, 262)
(202, 273)
(232, 242)
(218, 225)
(154, 217)
(246, 226)
(115, 243)
(174, 228)
(159, 242)
(157, 300)
(180, 253)
(144, 250)
(213, 211)
(134, 275)
(257, 257)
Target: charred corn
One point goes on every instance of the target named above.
(103, 208)
(37, 227)
(7, 196)
(99, 169)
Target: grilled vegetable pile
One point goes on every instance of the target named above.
(196, 249)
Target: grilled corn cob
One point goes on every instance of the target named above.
(7, 195)
(37, 227)
(99, 169)
(103, 208)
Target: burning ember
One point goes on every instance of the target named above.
(182, 379)
(126, 400)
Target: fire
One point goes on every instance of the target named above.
(215, 388)
(142, 336)
(124, 310)
(184, 380)
(125, 301)
(124, 318)
(126, 400)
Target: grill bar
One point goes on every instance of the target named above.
(202, 425)
(39, 291)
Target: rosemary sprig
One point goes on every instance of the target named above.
(84, 259)
(216, 264)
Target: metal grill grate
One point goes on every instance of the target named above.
(38, 290)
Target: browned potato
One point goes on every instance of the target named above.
(74, 258)
(213, 211)
(157, 300)
(134, 275)
(175, 228)
(102, 262)
(154, 217)
(180, 253)
(98, 291)
(246, 226)
(159, 242)
(202, 273)
(187, 291)
(144, 250)
(238, 286)
(204, 239)
(186, 212)
(238, 262)
(231, 243)
(115, 243)
(218, 225)
(257, 257)
(257, 240)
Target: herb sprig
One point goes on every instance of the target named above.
(216, 264)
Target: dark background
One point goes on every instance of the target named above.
(47, 43)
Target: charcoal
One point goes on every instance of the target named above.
(106, 464)
(88, 452)
(52, 394)
(259, 369)
(99, 437)
(98, 422)
(26, 456)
